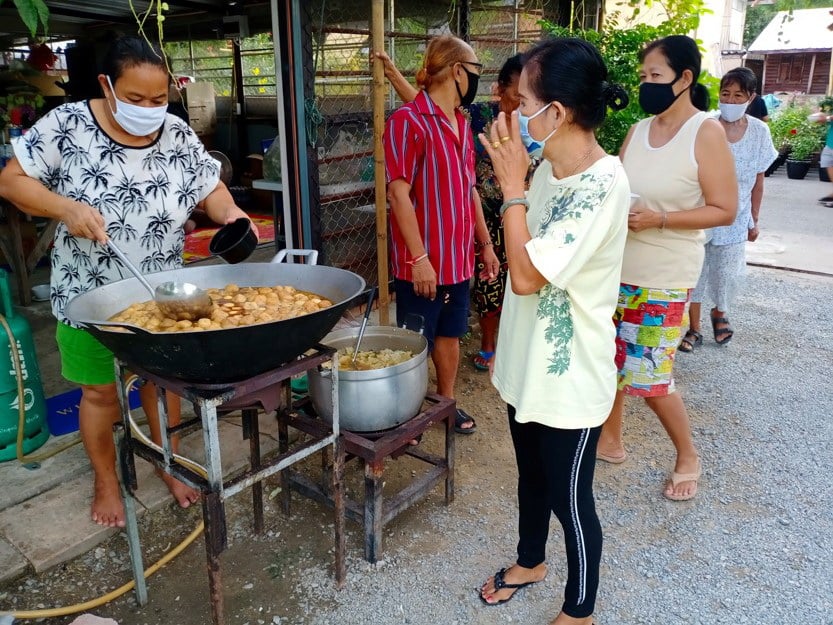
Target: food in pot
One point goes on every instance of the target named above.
(234, 306)
(371, 359)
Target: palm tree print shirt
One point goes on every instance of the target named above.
(556, 347)
(145, 195)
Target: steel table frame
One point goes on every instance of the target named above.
(376, 512)
(211, 401)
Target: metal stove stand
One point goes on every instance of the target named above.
(268, 391)
(372, 451)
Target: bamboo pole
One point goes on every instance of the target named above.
(378, 32)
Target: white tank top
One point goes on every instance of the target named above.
(665, 179)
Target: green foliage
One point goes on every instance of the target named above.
(757, 18)
(33, 13)
(826, 104)
(620, 44)
(791, 129)
(759, 15)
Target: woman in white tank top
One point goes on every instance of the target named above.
(679, 164)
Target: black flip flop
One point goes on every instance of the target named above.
(500, 583)
(463, 417)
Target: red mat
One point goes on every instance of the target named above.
(196, 242)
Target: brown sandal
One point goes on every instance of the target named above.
(721, 335)
(691, 340)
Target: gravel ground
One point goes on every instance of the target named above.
(753, 547)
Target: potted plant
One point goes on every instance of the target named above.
(796, 138)
(803, 143)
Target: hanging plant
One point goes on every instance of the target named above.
(33, 13)
(141, 18)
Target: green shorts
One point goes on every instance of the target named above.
(84, 360)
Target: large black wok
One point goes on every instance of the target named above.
(216, 356)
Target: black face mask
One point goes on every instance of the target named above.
(654, 98)
(468, 97)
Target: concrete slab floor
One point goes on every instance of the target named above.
(12, 562)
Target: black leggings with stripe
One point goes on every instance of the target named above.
(555, 475)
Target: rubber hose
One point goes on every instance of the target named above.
(153, 568)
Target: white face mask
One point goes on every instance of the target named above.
(732, 112)
(139, 121)
(535, 147)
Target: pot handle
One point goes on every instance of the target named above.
(311, 255)
(414, 322)
(114, 324)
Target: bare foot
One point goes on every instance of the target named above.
(107, 509)
(515, 574)
(682, 485)
(184, 494)
(563, 619)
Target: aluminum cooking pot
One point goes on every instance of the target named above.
(376, 399)
(217, 356)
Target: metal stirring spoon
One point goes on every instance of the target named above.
(363, 327)
(177, 300)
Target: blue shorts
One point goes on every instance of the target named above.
(446, 315)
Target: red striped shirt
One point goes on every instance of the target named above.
(422, 149)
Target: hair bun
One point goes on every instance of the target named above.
(422, 77)
(615, 96)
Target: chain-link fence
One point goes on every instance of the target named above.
(339, 113)
(343, 97)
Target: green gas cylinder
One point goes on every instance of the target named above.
(35, 430)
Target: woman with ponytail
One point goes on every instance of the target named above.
(682, 173)
(554, 361)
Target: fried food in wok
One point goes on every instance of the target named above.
(234, 306)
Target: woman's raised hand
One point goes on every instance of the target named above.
(510, 160)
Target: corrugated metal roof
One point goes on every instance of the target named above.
(805, 29)
(72, 18)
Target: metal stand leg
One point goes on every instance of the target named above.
(283, 447)
(338, 505)
(215, 540)
(251, 430)
(373, 523)
(450, 439)
(213, 509)
(125, 455)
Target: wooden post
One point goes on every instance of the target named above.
(830, 76)
(378, 35)
(812, 74)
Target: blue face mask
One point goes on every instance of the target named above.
(534, 147)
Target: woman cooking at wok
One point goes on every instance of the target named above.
(117, 167)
